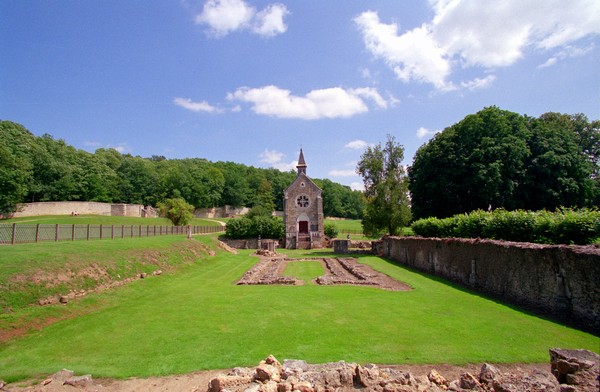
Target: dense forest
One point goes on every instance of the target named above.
(45, 169)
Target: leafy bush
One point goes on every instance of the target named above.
(257, 226)
(331, 230)
(177, 210)
(565, 226)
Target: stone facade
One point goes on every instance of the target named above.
(303, 212)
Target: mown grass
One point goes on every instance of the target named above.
(304, 270)
(102, 220)
(199, 319)
(354, 226)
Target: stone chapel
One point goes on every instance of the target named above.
(303, 212)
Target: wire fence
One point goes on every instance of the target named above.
(22, 233)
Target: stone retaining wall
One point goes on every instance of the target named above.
(560, 280)
(83, 208)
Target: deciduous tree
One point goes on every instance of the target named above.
(386, 188)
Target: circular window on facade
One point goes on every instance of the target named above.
(302, 201)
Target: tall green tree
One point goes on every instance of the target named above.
(386, 188)
(501, 159)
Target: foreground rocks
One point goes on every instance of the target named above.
(571, 370)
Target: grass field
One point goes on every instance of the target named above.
(102, 220)
(197, 318)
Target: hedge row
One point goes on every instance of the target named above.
(263, 226)
(565, 226)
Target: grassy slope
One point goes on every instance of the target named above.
(198, 319)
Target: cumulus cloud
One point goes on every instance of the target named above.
(357, 145)
(226, 16)
(471, 33)
(424, 132)
(274, 159)
(269, 22)
(334, 102)
(203, 106)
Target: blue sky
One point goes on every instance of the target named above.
(252, 81)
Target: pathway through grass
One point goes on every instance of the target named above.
(199, 319)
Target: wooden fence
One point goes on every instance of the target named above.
(22, 233)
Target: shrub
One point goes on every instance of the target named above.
(257, 226)
(330, 230)
(565, 226)
(177, 210)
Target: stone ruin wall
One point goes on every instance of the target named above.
(559, 280)
(83, 208)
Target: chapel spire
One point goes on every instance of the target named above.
(301, 163)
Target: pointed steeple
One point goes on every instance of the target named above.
(301, 163)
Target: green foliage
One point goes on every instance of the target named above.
(499, 158)
(257, 226)
(386, 188)
(565, 226)
(177, 210)
(330, 230)
(44, 169)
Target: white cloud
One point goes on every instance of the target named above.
(472, 33)
(567, 52)
(479, 83)
(203, 106)
(226, 16)
(269, 22)
(334, 102)
(413, 55)
(424, 132)
(357, 186)
(342, 173)
(357, 145)
(274, 159)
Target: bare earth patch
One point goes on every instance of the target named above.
(338, 271)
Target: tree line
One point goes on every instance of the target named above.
(42, 168)
(493, 159)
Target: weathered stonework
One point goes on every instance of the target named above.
(559, 280)
(303, 212)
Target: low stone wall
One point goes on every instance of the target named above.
(83, 208)
(225, 212)
(562, 281)
(220, 212)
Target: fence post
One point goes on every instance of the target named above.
(112, 232)
(122, 231)
(100, 230)
(56, 233)
(14, 232)
(37, 232)
(73, 232)
(140, 231)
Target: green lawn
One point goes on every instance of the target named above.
(102, 220)
(354, 226)
(198, 319)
